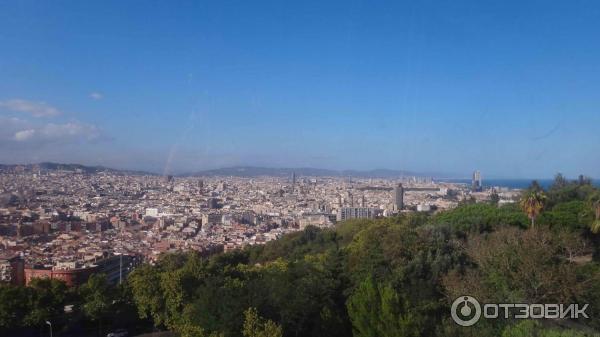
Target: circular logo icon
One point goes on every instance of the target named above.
(465, 311)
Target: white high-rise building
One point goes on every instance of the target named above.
(476, 182)
(346, 213)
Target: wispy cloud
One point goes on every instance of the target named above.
(15, 131)
(24, 135)
(36, 109)
(96, 96)
(69, 130)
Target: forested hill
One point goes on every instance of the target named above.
(386, 277)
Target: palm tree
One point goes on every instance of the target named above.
(594, 201)
(532, 203)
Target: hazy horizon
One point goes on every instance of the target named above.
(509, 89)
(454, 176)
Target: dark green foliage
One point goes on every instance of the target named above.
(14, 307)
(96, 307)
(481, 218)
(571, 191)
(531, 328)
(256, 326)
(572, 215)
(145, 284)
(28, 308)
(303, 296)
(591, 293)
(47, 299)
(295, 246)
(377, 310)
(97, 298)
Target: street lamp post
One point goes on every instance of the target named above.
(50, 324)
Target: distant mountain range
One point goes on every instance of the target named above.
(71, 167)
(252, 171)
(236, 171)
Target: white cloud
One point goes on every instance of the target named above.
(36, 109)
(69, 130)
(96, 96)
(24, 135)
(19, 132)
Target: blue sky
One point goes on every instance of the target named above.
(507, 87)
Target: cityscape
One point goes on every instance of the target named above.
(66, 224)
(299, 168)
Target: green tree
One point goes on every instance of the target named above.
(594, 201)
(192, 329)
(97, 299)
(14, 307)
(535, 186)
(147, 294)
(559, 181)
(532, 203)
(256, 326)
(480, 217)
(532, 266)
(573, 215)
(494, 198)
(47, 299)
(377, 310)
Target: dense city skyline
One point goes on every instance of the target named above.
(424, 87)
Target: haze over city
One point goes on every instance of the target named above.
(509, 88)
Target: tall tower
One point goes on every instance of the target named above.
(399, 197)
(476, 184)
(293, 181)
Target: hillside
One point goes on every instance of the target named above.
(48, 166)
